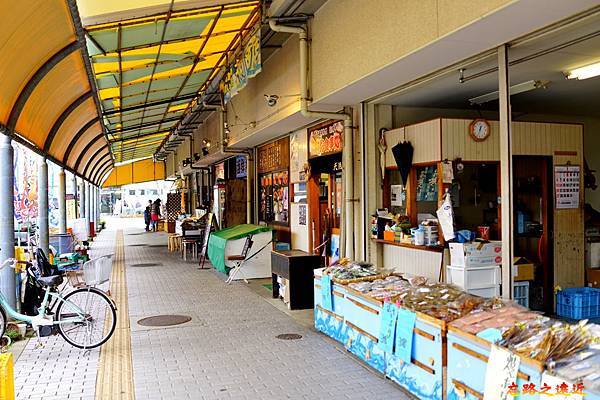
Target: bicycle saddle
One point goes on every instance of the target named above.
(53, 280)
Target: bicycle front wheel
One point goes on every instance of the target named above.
(86, 318)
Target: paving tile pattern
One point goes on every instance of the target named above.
(58, 370)
(229, 349)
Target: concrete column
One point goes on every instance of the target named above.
(82, 200)
(506, 172)
(88, 195)
(98, 204)
(75, 191)
(43, 228)
(62, 201)
(7, 222)
(93, 204)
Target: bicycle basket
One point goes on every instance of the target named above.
(97, 271)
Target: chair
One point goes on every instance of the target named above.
(189, 244)
(239, 260)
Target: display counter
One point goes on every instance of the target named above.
(445, 361)
(418, 260)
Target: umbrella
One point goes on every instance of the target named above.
(403, 154)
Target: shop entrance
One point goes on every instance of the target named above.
(325, 202)
(533, 232)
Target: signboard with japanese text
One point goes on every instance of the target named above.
(325, 139)
(405, 327)
(501, 372)
(274, 156)
(241, 167)
(247, 65)
(387, 330)
(567, 186)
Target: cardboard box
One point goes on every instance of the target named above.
(523, 269)
(593, 277)
(476, 254)
(389, 236)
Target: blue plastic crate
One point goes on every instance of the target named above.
(578, 303)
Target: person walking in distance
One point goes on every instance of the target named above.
(147, 215)
(155, 214)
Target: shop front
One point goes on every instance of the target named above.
(229, 192)
(324, 188)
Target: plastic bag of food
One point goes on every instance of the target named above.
(446, 217)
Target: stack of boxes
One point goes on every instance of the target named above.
(475, 267)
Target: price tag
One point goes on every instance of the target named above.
(326, 292)
(405, 326)
(387, 330)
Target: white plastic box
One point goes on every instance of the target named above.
(473, 278)
(475, 254)
(490, 291)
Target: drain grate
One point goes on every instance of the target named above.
(164, 320)
(136, 245)
(289, 336)
(146, 265)
(156, 245)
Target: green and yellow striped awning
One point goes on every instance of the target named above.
(148, 70)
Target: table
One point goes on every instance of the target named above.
(297, 267)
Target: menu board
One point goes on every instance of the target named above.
(567, 186)
(274, 156)
(326, 139)
(274, 197)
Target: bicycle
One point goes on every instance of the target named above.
(86, 317)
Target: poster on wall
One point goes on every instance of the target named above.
(246, 65)
(325, 139)
(220, 171)
(274, 197)
(25, 185)
(241, 167)
(302, 212)
(567, 186)
(396, 194)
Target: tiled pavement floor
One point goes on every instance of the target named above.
(227, 351)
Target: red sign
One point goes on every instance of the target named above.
(326, 139)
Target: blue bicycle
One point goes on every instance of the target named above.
(84, 317)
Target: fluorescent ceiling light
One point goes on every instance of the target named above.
(589, 71)
(515, 89)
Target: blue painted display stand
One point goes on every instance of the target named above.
(467, 363)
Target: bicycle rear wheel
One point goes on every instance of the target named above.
(96, 325)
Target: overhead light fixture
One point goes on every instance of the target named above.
(206, 142)
(515, 89)
(589, 71)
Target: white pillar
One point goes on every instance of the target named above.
(506, 184)
(75, 201)
(82, 200)
(43, 228)
(88, 196)
(62, 201)
(98, 205)
(7, 222)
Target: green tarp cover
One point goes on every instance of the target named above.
(218, 241)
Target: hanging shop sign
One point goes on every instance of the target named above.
(247, 65)
(567, 182)
(220, 171)
(241, 167)
(325, 139)
(274, 156)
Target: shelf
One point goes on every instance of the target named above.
(434, 249)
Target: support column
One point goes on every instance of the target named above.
(7, 222)
(43, 228)
(506, 184)
(98, 206)
(62, 201)
(82, 200)
(75, 192)
(88, 196)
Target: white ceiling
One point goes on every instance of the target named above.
(561, 96)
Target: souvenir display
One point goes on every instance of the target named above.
(495, 317)
(346, 272)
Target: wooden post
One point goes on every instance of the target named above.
(506, 184)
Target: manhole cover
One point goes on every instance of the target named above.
(146, 265)
(289, 336)
(164, 320)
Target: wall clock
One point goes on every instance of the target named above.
(479, 130)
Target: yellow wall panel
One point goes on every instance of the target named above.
(60, 87)
(136, 172)
(31, 32)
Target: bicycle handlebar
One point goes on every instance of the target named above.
(13, 261)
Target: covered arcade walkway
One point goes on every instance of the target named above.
(228, 350)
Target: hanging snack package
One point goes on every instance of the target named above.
(446, 217)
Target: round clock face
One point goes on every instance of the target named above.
(479, 130)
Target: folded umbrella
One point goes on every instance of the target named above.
(403, 154)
